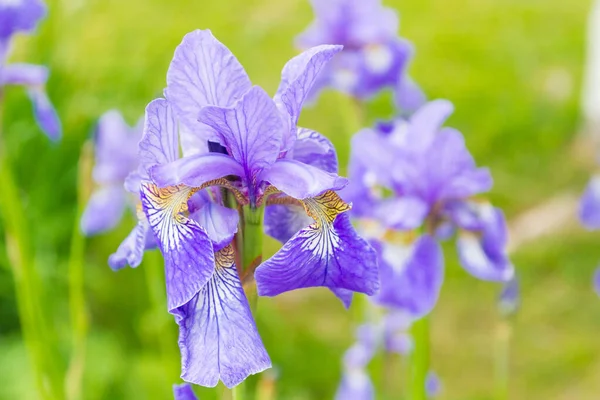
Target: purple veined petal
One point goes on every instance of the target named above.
(509, 299)
(196, 170)
(596, 281)
(327, 253)
(408, 96)
(297, 79)
(433, 385)
(104, 210)
(314, 149)
(23, 74)
(184, 392)
(203, 72)
(344, 295)
(251, 130)
(589, 206)
(411, 279)
(300, 180)
(355, 385)
(159, 144)
(427, 121)
(44, 113)
(284, 221)
(217, 334)
(186, 247)
(116, 148)
(20, 16)
(402, 213)
(131, 250)
(219, 222)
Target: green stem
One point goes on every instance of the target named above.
(502, 360)
(419, 359)
(252, 237)
(27, 283)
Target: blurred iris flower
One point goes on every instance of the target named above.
(184, 392)
(374, 57)
(413, 184)
(241, 152)
(589, 215)
(22, 16)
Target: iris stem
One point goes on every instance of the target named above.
(77, 306)
(27, 283)
(419, 359)
(502, 359)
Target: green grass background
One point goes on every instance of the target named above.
(513, 70)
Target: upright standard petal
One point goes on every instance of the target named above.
(159, 144)
(314, 149)
(44, 113)
(251, 130)
(327, 253)
(104, 210)
(184, 392)
(19, 16)
(196, 170)
(203, 72)
(589, 207)
(131, 250)
(427, 121)
(218, 337)
(186, 247)
(300, 180)
(411, 278)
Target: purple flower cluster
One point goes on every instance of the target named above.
(23, 16)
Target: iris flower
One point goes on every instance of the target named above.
(374, 57)
(117, 188)
(23, 16)
(242, 151)
(414, 183)
(184, 392)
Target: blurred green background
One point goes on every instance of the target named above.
(513, 70)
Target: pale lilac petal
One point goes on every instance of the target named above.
(355, 385)
(218, 337)
(377, 153)
(408, 96)
(186, 247)
(196, 170)
(103, 211)
(116, 148)
(284, 221)
(44, 113)
(203, 72)
(20, 16)
(251, 130)
(159, 144)
(300, 180)
(480, 262)
(23, 74)
(134, 180)
(297, 79)
(314, 149)
(333, 256)
(131, 250)
(589, 207)
(219, 222)
(184, 392)
(402, 213)
(596, 281)
(427, 121)
(411, 278)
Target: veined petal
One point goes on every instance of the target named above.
(186, 247)
(404, 213)
(589, 207)
(104, 210)
(251, 130)
(314, 149)
(411, 278)
(159, 144)
(284, 221)
(196, 170)
(184, 392)
(297, 79)
(44, 113)
(131, 250)
(218, 337)
(23, 74)
(327, 253)
(300, 180)
(219, 222)
(203, 72)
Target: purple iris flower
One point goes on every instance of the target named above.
(22, 16)
(416, 174)
(117, 188)
(184, 392)
(374, 57)
(240, 146)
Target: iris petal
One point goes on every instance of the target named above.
(104, 210)
(184, 392)
(218, 337)
(44, 113)
(327, 253)
(131, 250)
(314, 149)
(159, 145)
